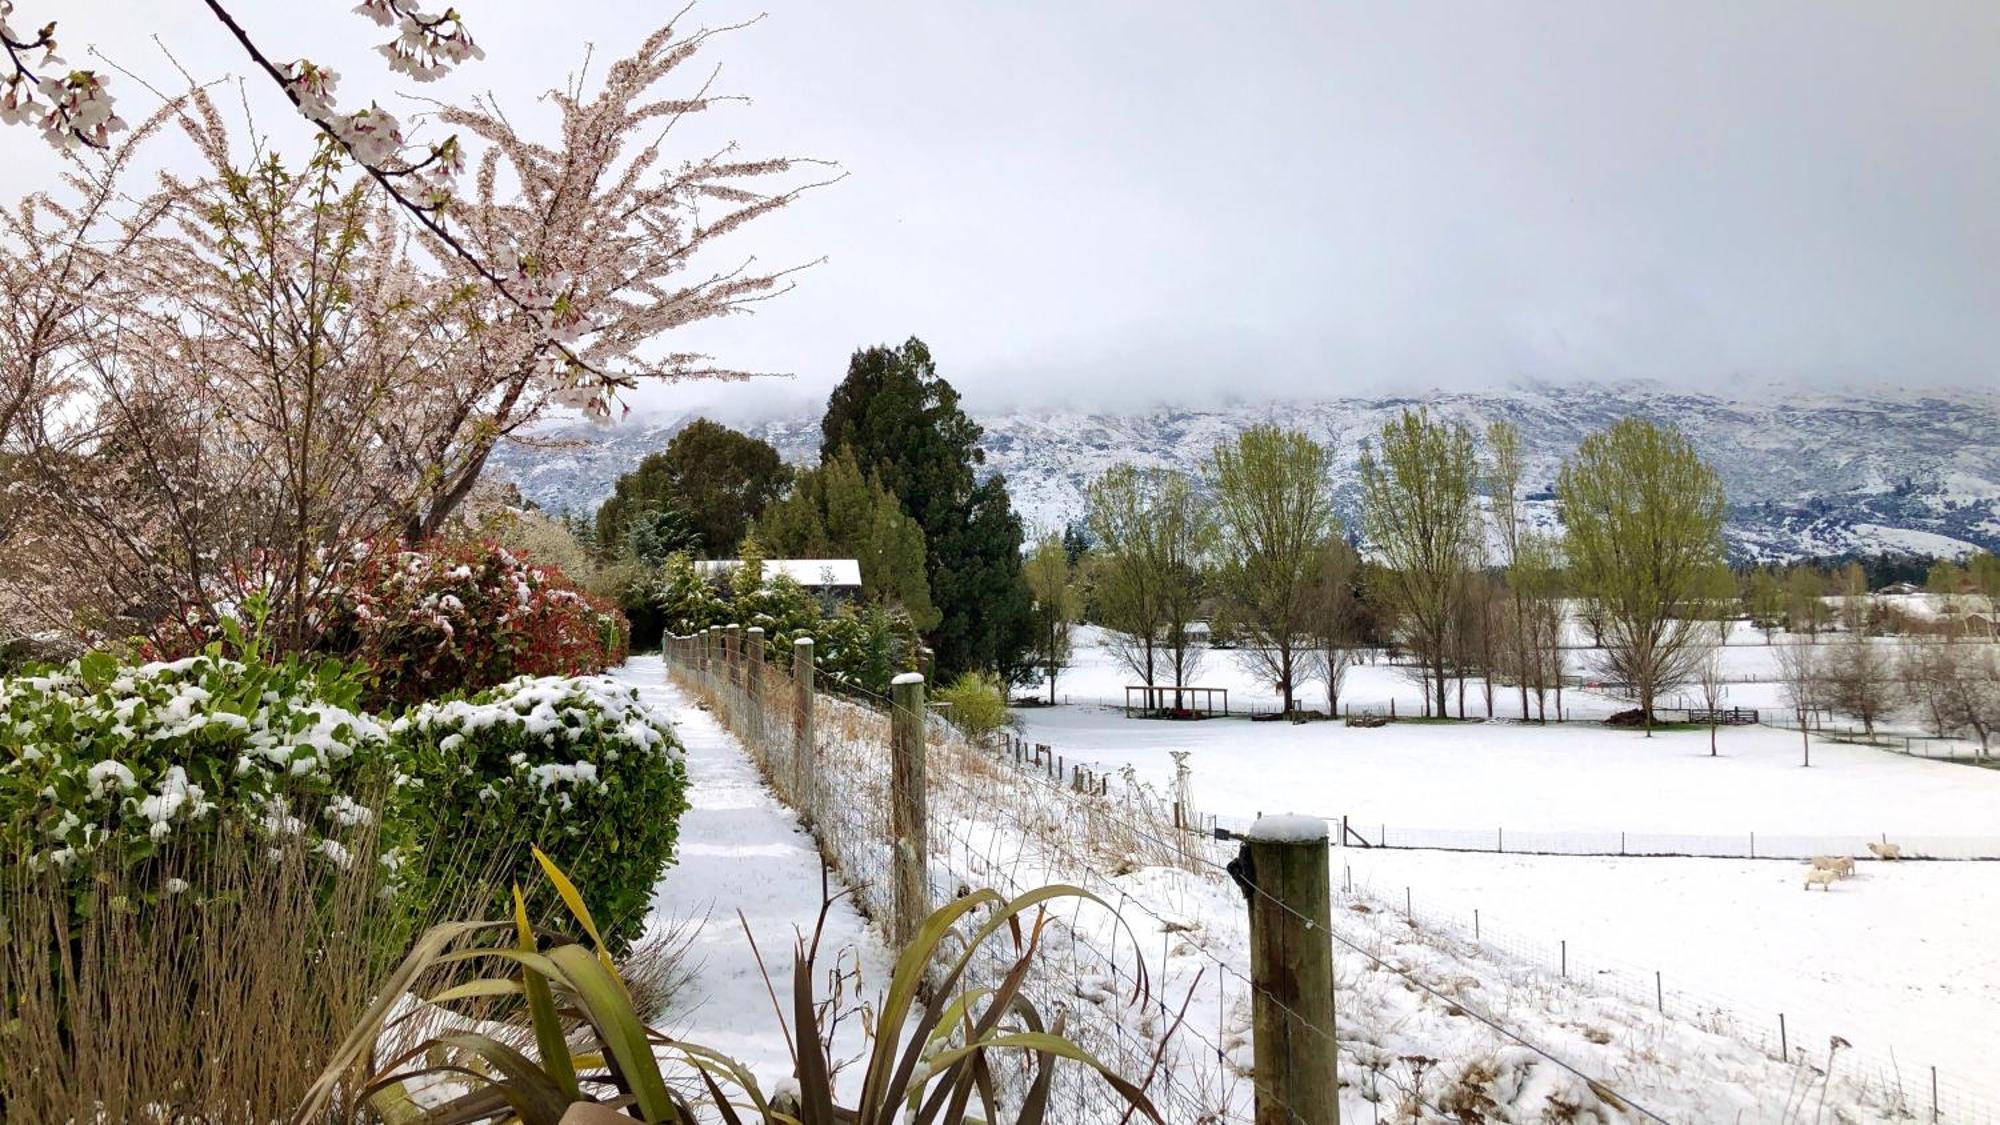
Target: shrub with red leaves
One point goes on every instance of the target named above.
(442, 619)
(462, 617)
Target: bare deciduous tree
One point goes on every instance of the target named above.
(1709, 678)
(1335, 619)
(1799, 677)
(1859, 678)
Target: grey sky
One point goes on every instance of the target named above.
(1093, 202)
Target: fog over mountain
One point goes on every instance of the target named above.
(1809, 473)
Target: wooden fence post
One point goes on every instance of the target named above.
(732, 653)
(1284, 870)
(806, 770)
(909, 826)
(753, 686)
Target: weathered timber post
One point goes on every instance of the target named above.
(805, 778)
(732, 653)
(909, 827)
(753, 685)
(1284, 871)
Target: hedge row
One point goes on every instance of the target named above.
(102, 764)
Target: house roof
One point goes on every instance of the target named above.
(806, 572)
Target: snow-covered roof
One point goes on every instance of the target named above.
(805, 572)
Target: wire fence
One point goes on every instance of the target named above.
(840, 784)
(1501, 840)
(1911, 1087)
(1003, 817)
(1907, 1084)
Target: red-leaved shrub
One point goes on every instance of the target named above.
(443, 618)
(462, 617)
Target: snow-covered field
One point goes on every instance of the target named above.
(1898, 960)
(1890, 960)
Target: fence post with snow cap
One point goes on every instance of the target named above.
(806, 770)
(1284, 872)
(909, 827)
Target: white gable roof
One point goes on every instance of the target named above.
(805, 572)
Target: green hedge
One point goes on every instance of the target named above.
(108, 765)
(575, 766)
(118, 768)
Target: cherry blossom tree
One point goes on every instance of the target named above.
(224, 383)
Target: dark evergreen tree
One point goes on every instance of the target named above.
(719, 478)
(1076, 541)
(653, 534)
(904, 424)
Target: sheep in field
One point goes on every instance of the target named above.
(1820, 876)
(1840, 865)
(1886, 851)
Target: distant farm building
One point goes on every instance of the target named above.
(839, 577)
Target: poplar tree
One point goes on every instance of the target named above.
(1418, 514)
(1154, 533)
(1503, 488)
(1274, 511)
(1054, 610)
(1118, 506)
(1643, 515)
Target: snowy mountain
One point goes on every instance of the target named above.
(1807, 473)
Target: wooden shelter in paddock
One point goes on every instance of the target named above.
(1165, 701)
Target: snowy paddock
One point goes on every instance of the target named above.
(1898, 960)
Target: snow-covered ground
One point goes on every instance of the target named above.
(1897, 961)
(1408, 989)
(741, 850)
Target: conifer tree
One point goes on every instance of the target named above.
(904, 425)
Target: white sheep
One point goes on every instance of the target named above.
(1886, 850)
(1820, 876)
(1840, 865)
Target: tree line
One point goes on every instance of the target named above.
(1449, 571)
(1251, 551)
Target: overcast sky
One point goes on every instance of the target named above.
(1126, 203)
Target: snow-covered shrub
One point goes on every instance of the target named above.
(578, 767)
(425, 622)
(461, 617)
(103, 764)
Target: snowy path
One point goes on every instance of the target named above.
(740, 849)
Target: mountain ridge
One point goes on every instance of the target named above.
(1808, 473)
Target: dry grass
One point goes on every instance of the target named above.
(221, 1002)
(128, 1002)
(992, 823)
